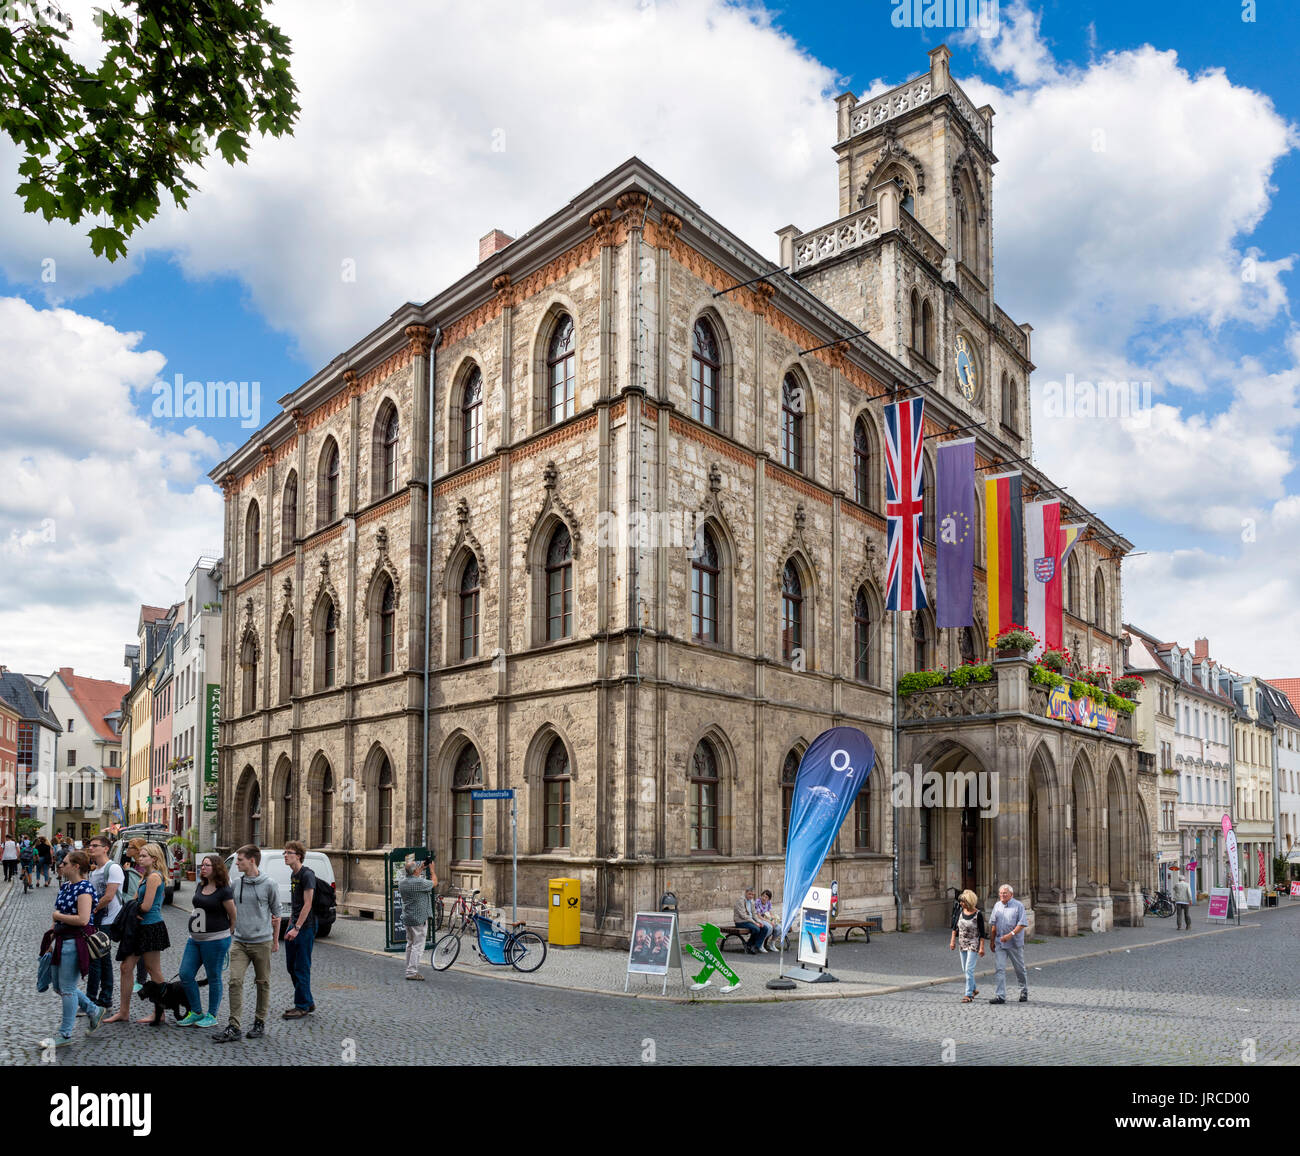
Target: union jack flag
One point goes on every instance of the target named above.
(904, 505)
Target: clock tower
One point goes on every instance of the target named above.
(910, 257)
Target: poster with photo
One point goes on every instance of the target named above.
(653, 936)
(814, 927)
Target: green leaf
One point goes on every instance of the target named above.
(107, 242)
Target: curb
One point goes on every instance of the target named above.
(890, 989)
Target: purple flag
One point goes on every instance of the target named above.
(955, 530)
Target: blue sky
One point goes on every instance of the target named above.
(402, 176)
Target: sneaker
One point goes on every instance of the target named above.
(1024, 997)
(135, 989)
(190, 1020)
(94, 1018)
(207, 1021)
(231, 1034)
(257, 1031)
(61, 1041)
(997, 999)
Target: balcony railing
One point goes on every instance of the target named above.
(847, 233)
(949, 702)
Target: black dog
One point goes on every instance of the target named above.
(167, 997)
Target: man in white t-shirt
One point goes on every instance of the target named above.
(107, 879)
(9, 854)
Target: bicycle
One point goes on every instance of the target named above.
(1159, 905)
(463, 910)
(494, 943)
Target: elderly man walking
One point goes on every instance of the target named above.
(1182, 904)
(1008, 941)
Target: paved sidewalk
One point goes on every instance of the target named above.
(891, 962)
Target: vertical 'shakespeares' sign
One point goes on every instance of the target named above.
(210, 760)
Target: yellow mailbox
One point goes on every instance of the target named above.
(565, 908)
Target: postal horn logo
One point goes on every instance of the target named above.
(1044, 569)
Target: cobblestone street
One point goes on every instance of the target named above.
(1202, 1000)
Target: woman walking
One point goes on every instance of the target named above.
(66, 940)
(150, 939)
(968, 934)
(209, 942)
(44, 858)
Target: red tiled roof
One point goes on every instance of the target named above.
(1289, 687)
(97, 697)
(152, 613)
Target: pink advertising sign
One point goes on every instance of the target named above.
(1219, 904)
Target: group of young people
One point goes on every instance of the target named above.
(233, 922)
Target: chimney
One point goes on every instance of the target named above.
(1202, 648)
(493, 242)
(65, 673)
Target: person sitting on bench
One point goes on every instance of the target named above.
(746, 919)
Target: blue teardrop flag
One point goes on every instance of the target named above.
(831, 773)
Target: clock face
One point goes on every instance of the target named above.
(965, 367)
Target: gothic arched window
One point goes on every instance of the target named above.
(791, 610)
(561, 359)
(792, 411)
(467, 822)
(557, 781)
(861, 463)
(471, 418)
(559, 585)
(706, 367)
(704, 799)
(704, 591)
(469, 594)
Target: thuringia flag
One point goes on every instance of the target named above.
(1048, 544)
(904, 504)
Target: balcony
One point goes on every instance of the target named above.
(949, 702)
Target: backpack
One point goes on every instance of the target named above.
(323, 901)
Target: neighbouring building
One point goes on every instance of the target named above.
(1276, 709)
(628, 476)
(1154, 724)
(37, 747)
(1253, 763)
(161, 762)
(140, 658)
(90, 750)
(197, 660)
(9, 720)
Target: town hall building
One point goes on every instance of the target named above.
(620, 491)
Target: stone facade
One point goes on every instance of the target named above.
(569, 657)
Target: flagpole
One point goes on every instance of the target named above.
(898, 905)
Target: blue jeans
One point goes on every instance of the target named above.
(968, 959)
(758, 933)
(212, 955)
(42, 871)
(297, 958)
(67, 981)
(99, 983)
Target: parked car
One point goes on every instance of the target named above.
(273, 864)
(154, 833)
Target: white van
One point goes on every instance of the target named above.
(273, 864)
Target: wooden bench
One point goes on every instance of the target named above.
(864, 923)
(741, 935)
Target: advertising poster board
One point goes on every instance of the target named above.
(1295, 889)
(653, 936)
(814, 927)
(1218, 904)
(1254, 897)
(394, 924)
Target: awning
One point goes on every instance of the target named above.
(1294, 855)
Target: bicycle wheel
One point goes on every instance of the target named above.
(526, 951)
(444, 952)
(437, 914)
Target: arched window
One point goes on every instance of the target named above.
(288, 824)
(467, 831)
(789, 772)
(326, 630)
(469, 595)
(927, 332)
(704, 799)
(1072, 586)
(863, 667)
(964, 252)
(1099, 600)
(916, 321)
(706, 366)
(792, 411)
(387, 626)
(923, 834)
(385, 451)
(252, 539)
(559, 585)
(289, 513)
(862, 819)
(560, 366)
(327, 489)
(704, 591)
(284, 649)
(384, 805)
(861, 463)
(967, 644)
(791, 611)
(556, 783)
(927, 498)
(323, 828)
(255, 815)
(248, 664)
(471, 418)
(1008, 402)
(920, 641)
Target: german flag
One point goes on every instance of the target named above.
(1004, 532)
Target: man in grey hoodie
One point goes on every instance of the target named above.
(256, 937)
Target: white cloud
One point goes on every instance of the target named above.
(100, 509)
